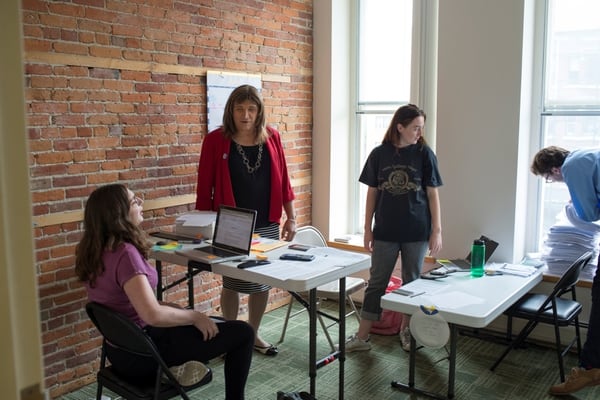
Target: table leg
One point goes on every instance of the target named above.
(410, 387)
(190, 283)
(342, 335)
(159, 286)
(452, 360)
(312, 340)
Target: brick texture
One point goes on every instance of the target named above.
(119, 118)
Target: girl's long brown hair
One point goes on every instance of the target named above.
(106, 226)
(403, 116)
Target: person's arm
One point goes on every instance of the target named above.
(206, 173)
(289, 227)
(435, 239)
(142, 298)
(372, 193)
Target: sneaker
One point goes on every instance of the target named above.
(577, 379)
(405, 339)
(354, 343)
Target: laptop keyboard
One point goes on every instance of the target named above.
(219, 252)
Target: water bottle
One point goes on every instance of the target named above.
(477, 258)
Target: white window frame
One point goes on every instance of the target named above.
(422, 92)
(546, 193)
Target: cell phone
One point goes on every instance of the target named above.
(253, 263)
(297, 257)
(298, 246)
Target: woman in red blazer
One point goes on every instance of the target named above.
(242, 164)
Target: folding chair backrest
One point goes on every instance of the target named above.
(310, 235)
(570, 278)
(120, 331)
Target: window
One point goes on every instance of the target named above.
(570, 109)
(383, 79)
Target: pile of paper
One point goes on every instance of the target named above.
(197, 224)
(517, 269)
(568, 239)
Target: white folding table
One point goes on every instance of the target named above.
(461, 301)
(330, 264)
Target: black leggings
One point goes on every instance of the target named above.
(180, 344)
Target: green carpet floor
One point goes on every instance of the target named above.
(524, 374)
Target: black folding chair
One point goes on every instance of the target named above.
(124, 334)
(549, 309)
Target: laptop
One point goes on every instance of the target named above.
(232, 238)
(465, 264)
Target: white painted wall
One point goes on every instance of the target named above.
(20, 337)
(484, 91)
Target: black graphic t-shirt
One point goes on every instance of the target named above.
(401, 176)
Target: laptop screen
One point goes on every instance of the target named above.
(234, 228)
(490, 247)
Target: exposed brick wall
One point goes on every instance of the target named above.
(116, 92)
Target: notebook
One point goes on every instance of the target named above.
(232, 238)
(465, 264)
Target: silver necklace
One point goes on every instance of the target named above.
(250, 169)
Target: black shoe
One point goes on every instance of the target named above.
(268, 350)
(294, 396)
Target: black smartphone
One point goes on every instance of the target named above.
(297, 257)
(298, 246)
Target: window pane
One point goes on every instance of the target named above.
(572, 78)
(571, 103)
(384, 51)
(384, 75)
(372, 128)
(570, 132)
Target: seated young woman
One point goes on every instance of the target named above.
(111, 259)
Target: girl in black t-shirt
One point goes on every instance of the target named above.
(402, 214)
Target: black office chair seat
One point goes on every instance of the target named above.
(528, 306)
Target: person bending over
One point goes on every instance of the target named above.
(580, 171)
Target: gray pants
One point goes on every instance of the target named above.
(383, 260)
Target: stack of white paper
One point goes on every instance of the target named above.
(568, 239)
(517, 269)
(198, 224)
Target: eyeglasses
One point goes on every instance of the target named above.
(137, 201)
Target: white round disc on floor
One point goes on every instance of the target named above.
(429, 328)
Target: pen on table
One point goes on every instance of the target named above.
(191, 241)
(417, 294)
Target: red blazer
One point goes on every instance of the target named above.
(214, 182)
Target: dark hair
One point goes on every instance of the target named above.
(106, 226)
(403, 116)
(239, 95)
(548, 158)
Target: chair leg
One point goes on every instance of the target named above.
(578, 336)
(326, 331)
(285, 322)
(99, 391)
(561, 367)
(518, 340)
(353, 306)
(509, 329)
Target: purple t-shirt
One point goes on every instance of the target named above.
(121, 265)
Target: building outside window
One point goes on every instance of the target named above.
(383, 79)
(570, 105)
